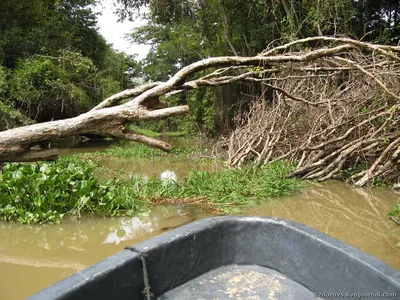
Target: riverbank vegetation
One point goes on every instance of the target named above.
(185, 147)
(152, 133)
(45, 192)
(54, 64)
(255, 99)
(48, 191)
(225, 189)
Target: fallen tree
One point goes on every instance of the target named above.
(332, 107)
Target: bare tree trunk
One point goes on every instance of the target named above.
(225, 21)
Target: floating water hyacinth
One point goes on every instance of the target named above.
(168, 177)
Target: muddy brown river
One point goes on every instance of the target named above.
(33, 257)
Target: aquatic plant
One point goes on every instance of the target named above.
(142, 151)
(152, 133)
(45, 192)
(396, 211)
(224, 187)
(395, 214)
(136, 150)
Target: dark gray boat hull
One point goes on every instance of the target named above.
(234, 258)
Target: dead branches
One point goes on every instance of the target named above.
(338, 114)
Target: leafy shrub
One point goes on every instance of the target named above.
(59, 87)
(10, 117)
(44, 90)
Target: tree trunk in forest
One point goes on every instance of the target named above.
(228, 33)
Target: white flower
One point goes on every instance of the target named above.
(168, 177)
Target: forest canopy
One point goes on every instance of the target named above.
(54, 64)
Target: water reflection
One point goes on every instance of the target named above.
(128, 229)
(39, 255)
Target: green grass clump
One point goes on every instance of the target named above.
(175, 133)
(240, 186)
(45, 192)
(138, 150)
(233, 186)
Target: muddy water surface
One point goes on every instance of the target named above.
(33, 257)
(125, 167)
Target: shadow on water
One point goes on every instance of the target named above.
(92, 145)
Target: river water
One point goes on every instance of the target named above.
(33, 257)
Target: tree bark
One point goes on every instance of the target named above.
(16, 143)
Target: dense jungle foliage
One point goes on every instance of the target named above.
(54, 64)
